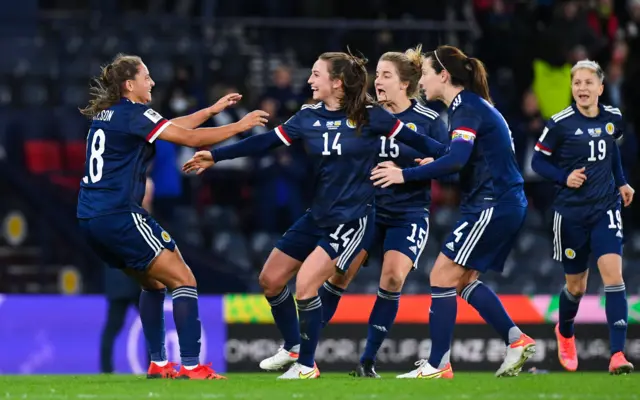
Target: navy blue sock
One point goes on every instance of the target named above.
(617, 311)
(442, 320)
(380, 321)
(152, 317)
(310, 315)
(490, 308)
(330, 295)
(567, 310)
(185, 315)
(283, 309)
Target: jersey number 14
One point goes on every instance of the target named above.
(96, 162)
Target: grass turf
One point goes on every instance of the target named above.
(466, 386)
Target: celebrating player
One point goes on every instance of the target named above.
(578, 151)
(402, 212)
(341, 134)
(493, 209)
(119, 149)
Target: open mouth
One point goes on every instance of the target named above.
(583, 97)
(381, 92)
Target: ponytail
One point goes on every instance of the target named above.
(478, 83)
(107, 88)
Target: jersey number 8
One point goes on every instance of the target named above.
(95, 159)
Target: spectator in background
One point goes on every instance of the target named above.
(279, 183)
(287, 102)
(604, 23)
(121, 292)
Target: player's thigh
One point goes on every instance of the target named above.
(345, 242)
(277, 271)
(446, 273)
(315, 270)
(482, 241)
(571, 244)
(409, 238)
(606, 242)
(343, 280)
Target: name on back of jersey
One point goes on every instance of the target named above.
(104, 115)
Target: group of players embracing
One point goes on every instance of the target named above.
(373, 163)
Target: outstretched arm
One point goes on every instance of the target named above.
(199, 117)
(250, 146)
(450, 163)
(422, 143)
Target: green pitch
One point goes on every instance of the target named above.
(465, 386)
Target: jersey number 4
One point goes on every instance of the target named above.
(96, 162)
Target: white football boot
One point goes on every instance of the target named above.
(280, 360)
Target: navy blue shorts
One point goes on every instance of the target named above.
(574, 241)
(408, 237)
(343, 242)
(127, 240)
(482, 241)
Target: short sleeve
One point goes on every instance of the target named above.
(549, 140)
(291, 130)
(147, 123)
(464, 125)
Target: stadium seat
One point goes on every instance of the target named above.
(220, 218)
(74, 156)
(232, 246)
(43, 156)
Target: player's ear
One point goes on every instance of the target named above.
(336, 84)
(601, 89)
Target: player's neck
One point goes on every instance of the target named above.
(398, 106)
(332, 104)
(590, 112)
(450, 93)
(133, 99)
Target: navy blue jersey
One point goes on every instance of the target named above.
(411, 200)
(342, 157)
(491, 175)
(573, 141)
(119, 150)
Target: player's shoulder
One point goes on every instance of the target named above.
(308, 109)
(466, 102)
(562, 118)
(424, 114)
(612, 113)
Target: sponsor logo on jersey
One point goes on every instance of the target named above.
(578, 132)
(570, 253)
(317, 123)
(610, 128)
(412, 126)
(595, 132)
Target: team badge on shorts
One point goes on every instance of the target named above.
(412, 126)
(165, 236)
(570, 254)
(610, 128)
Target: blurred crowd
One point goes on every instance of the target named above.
(528, 47)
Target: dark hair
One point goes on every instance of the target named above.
(409, 67)
(467, 72)
(352, 72)
(107, 89)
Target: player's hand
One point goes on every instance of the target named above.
(626, 192)
(576, 178)
(424, 161)
(386, 174)
(224, 102)
(199, 162)
(253, 119)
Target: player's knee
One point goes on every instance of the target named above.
(577, 288)
(340, 280)
(392, 281)
(271, 284)
(444, 275)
